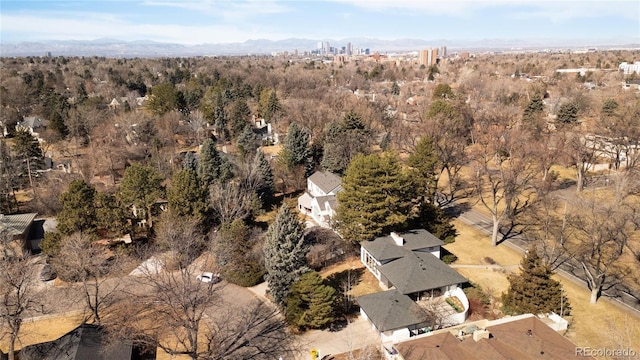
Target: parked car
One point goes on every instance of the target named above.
(208, 277)
(47, 273)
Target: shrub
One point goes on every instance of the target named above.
(449, 258)
(489, 261)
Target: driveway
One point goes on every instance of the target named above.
(358, 334)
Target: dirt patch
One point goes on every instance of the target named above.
(366, 282)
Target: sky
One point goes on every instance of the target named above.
(226, 21)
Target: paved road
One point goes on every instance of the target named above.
(619, 295)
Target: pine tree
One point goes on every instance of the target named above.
(247, 141)
(609, 108)
(209, 164)
(190, 162)
(266, 184)
(377, 197)
(395, 89)
(186, 197)
(343, 141)
(141, 187)
(310, 303)
(273, 106)
(239, 117)
(220, 119)
(423, 161)
(78, 211)
(568, 113)
(533, 290)
(296, 149)
(534, 108)
(285, 251)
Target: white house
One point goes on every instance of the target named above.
(419, 286)
(320, 200)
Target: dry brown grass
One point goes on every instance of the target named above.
(472, 246)
(597, 326)
(368, 284)
(45, 329)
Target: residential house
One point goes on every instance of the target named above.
(320, 199)
(86, 342)
(264, 132)
(517, 337)
(15, 231)
(31, 124)
(419, 286)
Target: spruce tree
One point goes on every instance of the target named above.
(209, 163)
(310, 303)
(534, 108)
(186, 197)
(296, 149)
(190, 162)
(78, 211)
(533, 290)
(424, 161)
(239, 117)
(377, 197)
(285, 251)
(343, 141)
(273, 106)
(568, 114)
(266, 184)
(247, 141)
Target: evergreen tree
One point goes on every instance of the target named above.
(534, 108)
(310, 303)
(436, 221)
(343, 141)
(609, 108)
(220, 119)
(239, 117)
(395, 89)
(234, 252)
(57, 124)
(533, 290)
(266, 184)
(186, 197)
(377, 197)
(110, 214)
(247, 141)
(285, 251)
(78, 212)
(164, 98)
(141, 187)
(27, 150)
(442, 91)
(190, 162)
(568, 114)
(424, 161)
(273, 107)
(385, 142)
(211, 166)
(296, 149)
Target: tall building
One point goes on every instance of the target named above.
(349, 49)
(327, 48)
(428, 57)
(443, 52)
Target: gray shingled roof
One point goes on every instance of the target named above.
(325, 180)
(385, 248)
(389, 310)
(420, 271)
(32, 122)
(86, 342)
(16, 224)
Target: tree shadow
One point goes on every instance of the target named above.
(343, 282)
(457, 209)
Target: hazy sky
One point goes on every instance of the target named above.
(224, 21)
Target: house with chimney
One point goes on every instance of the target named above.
(421, 293)
(320, 199)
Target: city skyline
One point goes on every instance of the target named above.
(219, 21)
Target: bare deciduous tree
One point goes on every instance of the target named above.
(601, 233)
(89, 264)
(18, 295)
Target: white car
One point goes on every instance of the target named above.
(208, 277)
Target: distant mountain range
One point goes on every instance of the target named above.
(148, 48)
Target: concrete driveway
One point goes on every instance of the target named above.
(356, 335)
